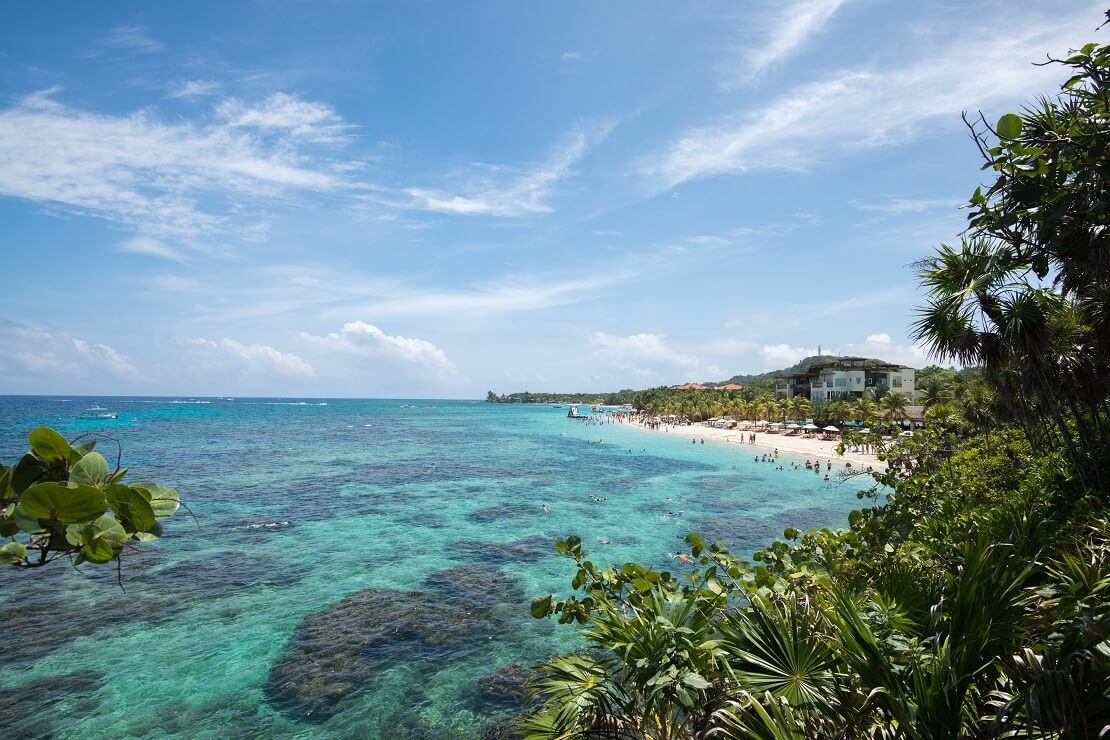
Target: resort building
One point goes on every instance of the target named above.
(700, 387)
(847, 377)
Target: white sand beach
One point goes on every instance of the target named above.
(813, 448)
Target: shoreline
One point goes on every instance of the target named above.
(800, 446)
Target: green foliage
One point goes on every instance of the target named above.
(64, 500)
(971, 597)
(1026, 296)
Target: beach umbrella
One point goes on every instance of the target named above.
(830, 428)
(792, 426)
(811, 426)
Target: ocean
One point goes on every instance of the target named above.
(353, 568)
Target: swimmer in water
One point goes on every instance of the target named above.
(684, 558)
(545, 508)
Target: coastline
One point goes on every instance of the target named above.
(811, 448)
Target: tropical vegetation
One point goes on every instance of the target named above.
(63, 500)
(970, 595)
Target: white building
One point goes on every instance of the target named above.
(847, 377)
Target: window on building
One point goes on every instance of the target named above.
(840, 382)
(896, 382)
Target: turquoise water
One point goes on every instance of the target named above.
(354, 568)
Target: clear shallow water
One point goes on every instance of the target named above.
(355, 568)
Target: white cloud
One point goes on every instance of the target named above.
(570, 56)
(360, 338)
(133, 39)
(51, 353)
(651, 357)
(902, 206)
(150, 246)
(869, 107)
(776, 356)
(524, 194)
(882, 338)
(195, 89)
(285, 114)
(788, 31)
(228, 356)
(101, 355)
(508, 295)
(153, 176)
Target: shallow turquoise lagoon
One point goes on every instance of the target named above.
(354, 568)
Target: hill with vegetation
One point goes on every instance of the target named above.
(753, 385)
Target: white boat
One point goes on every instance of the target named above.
(98, 412)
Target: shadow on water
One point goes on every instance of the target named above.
(40, 708)
(48, 609)
(348, 647)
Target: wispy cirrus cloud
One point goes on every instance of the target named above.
(787, 31)
(508, 193)
(896, 206)
(195, 89)
(132, 39)
(285, 115)
(508, 295)
(867, 107)
(150, 246)
(176, 180)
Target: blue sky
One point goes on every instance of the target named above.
(436, 199)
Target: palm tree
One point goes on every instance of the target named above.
(934, 391)
(894, 406)
(866, 410)
(878, 391)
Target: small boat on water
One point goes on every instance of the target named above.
(98, 412)
(573, 414)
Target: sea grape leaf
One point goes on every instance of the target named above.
(163, 500)
(27, 471)
(79, 451)
(13, 552)
(68, 505)
(92, 469)
(1009, 126)
(132, 509)
(97, 551)
(99, 541)
(150, 535)
(48, 444)
(541, 606)
(6, 492)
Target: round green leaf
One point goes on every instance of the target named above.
(132, 509)
(1009, 126)
(92, 469)
(13, 552)
(164, 501)
(111, 530)
(97, 551)
(48, 444)
(67, 504)
(541, 606)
